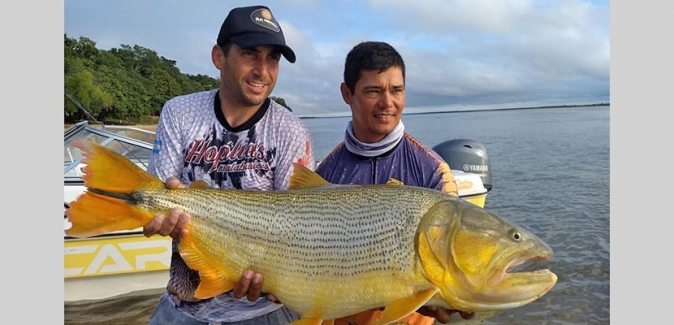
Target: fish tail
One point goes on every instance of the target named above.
(109, 171)
(94, 214)
(108, 204)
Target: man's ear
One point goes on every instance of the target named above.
(218, 57)
(346, 93)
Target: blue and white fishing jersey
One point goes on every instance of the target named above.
(195, 142)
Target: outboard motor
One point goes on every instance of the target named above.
(467, 155)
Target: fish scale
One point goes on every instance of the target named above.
(326, 251)
(295, 233)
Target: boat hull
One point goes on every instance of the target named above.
(106, 266)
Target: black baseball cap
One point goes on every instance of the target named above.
(250, 27)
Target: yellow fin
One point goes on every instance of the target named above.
(328, 322)
(109, 171)
(211, 285)
(403, 307)
(307, 321)
(393, 181)
(200, 184)
(212, 280)
(303, 178)
(110, 178)
(93, 214)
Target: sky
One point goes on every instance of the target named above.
(459, 54)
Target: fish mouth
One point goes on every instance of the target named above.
(517, 267)
(519, 282)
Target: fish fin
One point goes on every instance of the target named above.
(107, 205)
(307, 321)
(93, 214)
(403, 307)
(200, 184)
(213, 281)
(328, 322)
(109, 171)
(211, 285)
(393, 181)
(303, 178)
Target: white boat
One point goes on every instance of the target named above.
(116, 263)
(125, 262)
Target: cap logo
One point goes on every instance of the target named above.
(262, 17)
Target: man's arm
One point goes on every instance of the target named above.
(447, 183)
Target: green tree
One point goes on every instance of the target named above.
(165, 86)
(281, 101)
(81, 86)
(79, 67)
(129, 81)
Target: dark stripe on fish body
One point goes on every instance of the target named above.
(128, 197)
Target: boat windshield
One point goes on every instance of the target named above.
(132, 143)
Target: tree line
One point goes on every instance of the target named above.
(126, 83)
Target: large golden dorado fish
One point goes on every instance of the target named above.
(326, 251)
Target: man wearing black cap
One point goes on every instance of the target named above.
(234, 137)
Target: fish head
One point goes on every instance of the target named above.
(471, 254)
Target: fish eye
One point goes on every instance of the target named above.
(515, 235)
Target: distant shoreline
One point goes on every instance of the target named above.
(347, 114)
(153, 127)
(510, 109)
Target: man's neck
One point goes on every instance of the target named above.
(236, 115)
